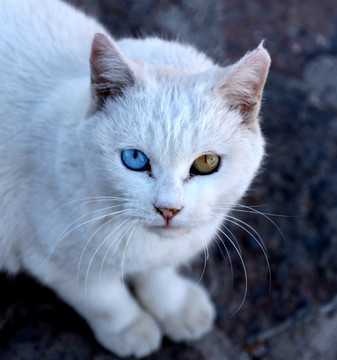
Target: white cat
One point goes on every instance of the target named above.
(119, 160)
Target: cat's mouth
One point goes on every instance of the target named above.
(168, 229)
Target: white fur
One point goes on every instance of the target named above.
(60, 159)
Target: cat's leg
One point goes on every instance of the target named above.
(115, 317)
(182, 307)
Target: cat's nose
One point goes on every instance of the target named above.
(167, 214)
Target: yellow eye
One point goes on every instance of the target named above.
(205, 164)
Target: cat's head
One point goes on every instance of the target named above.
(179, 145)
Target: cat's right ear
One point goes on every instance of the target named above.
(244, 84)
(110, 74)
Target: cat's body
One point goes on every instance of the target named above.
(62, 139)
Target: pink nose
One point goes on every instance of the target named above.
(167, 214)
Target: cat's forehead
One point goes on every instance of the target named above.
(172, 121)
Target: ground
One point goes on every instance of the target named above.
(293, 313)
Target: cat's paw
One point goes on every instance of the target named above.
(139, 339)
(194, 319)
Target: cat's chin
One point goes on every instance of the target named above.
(169, 231)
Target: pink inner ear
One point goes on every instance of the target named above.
(243, 86)
(102, 40)
(101, 45)
(110, 74)
(258, 62)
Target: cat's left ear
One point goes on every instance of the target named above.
(110, 74)
(244, 84)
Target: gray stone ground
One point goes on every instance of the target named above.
(295, 317)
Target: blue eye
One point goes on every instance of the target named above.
(135, 160)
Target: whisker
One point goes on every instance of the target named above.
(84, 216)
(206, 256)
(233, 237)
(237, 221)
(224, 257)
(223, 217)
(116, 245)
(101, 200)
(249, 230)
(258, 240)
(232, 206)
(92, 220)
(254, 211)
(89, 240)
(128, 241)
(93, 256)
(243, 267)
(89, 198)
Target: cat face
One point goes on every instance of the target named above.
(167, 132)
(176, 147)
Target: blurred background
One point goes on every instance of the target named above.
(291, 311)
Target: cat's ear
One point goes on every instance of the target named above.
(110, 74)
(244, 84)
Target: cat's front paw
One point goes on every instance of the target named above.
(194, 319)
(139, 339)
